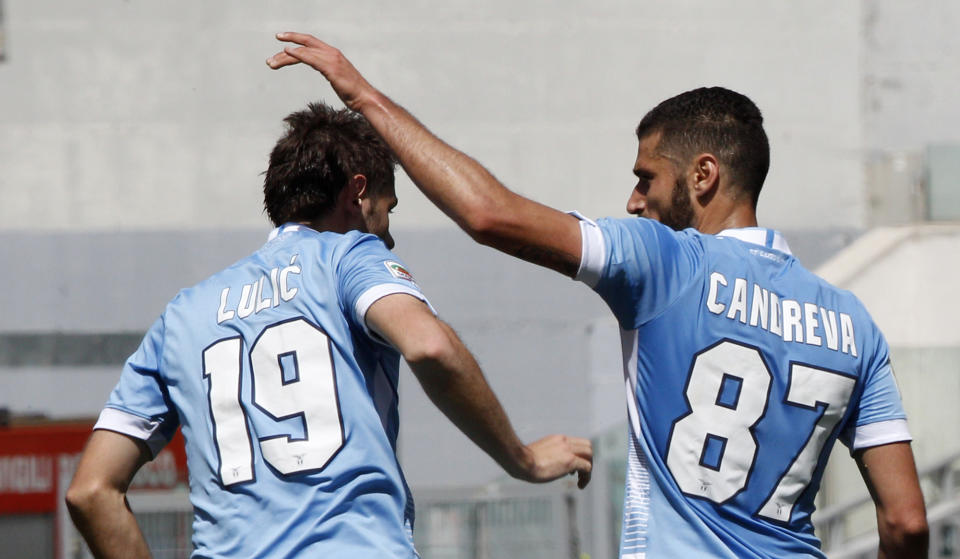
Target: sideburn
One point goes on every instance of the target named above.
(679, 215)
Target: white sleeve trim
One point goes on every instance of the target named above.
(147, 430)
(374, 294)
(593, 251)
(880, 433)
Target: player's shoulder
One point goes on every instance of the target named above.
(353, 240)
(824, 286)
(642, 225)
(834, 297)
(623, 230)
(848, 297)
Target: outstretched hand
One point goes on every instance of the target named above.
(558, 455)
(347, 82)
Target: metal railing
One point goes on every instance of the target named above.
(939, 482)
(532, 521)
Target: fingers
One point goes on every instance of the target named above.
(581, 447)
(304, 39)
(583, 478)
(308, 51)
(583, 464)
(282, 59)
(292, 55)
(583, 467)
(558, 455)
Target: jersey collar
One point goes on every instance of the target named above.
(758, 236)
(283, 229)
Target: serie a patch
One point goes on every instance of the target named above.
(398, 271)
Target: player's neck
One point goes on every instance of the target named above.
(331, 224)
(340, 219)
(735, 216)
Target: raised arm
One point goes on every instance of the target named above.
(97, 496)
(456, 183)
(891, 477)
(455, 384)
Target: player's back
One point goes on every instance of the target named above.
(288, 407)
(743, 368)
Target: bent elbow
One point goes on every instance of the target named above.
(915, 529)
(432, 348)
(481, 224)
(87, 496)
(491, 220)
(81, 497)
(908, 535)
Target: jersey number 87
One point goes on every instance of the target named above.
(712, 448)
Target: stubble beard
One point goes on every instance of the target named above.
(679, 215)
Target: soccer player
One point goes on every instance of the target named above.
(282, 373)
(741, 367)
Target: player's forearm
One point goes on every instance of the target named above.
(457, 387)
(464, 190)
(890, 474)
(460, 186)
(107, 524)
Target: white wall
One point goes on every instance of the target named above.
(147, 115)
(910, 73)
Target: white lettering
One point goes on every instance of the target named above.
(758, 307)
(275, 286)
(261, 302)
(792, 327)
(739, 303)
(286, 293)
(788, 319)
(247, 302)
(252, 299)
(21, 474)
(847, 342)
(829, 327)
(712, 304)
(222, 312)
(810, 322)
(775, 323)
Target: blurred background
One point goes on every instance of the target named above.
(133, 135)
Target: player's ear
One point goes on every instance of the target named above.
(353, 193)
(358, 185)
(706, 174)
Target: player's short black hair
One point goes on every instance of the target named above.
(718, 121)
(321, 149)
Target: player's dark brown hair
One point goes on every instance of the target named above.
(321, 149)
(718, 121)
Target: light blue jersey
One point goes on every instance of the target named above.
(287, 402)
(742, 369)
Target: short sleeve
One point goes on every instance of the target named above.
(367, 272)
(879, 417)
(638, 266)
(139, 405)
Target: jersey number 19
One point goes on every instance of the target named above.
(309, 393)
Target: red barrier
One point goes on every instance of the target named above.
(32, 458)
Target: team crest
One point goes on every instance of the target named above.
(398, 271)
